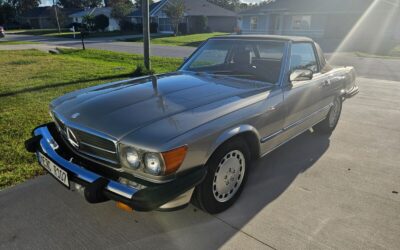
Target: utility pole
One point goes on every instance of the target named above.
(55, 11)
(146, 33)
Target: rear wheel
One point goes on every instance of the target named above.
(226, 176)
(329, 123)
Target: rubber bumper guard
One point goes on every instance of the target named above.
(99, 188)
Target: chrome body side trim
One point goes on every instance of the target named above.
(302, 120)
(264, 139)
(294, 124)
(280, 144)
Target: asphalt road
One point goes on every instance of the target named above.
(316, 192)
(106, 43)
(375, 68)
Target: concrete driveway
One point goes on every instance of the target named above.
(316, 192)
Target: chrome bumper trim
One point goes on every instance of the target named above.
(79, 172)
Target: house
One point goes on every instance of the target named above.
(44, 17)
(329, 22)
(113, 23)
(218, 18)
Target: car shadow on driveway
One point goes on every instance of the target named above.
(42, 214)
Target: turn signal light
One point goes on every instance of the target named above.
(124, 207)
(174, 158)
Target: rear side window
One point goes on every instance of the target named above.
(302, 56)
(270, 51)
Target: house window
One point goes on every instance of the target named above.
(301, 22)
(253, 23)
(164, 25)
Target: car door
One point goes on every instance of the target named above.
(300, 97)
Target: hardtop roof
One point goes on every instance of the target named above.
(267, 37)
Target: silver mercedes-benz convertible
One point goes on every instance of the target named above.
(161, 141)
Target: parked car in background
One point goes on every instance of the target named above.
(2, 33)
(158, 142)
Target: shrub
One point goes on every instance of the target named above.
(101, 22)
(182, 28)
(126, 25)
(138, 28)
(153, 27)
(199, 24)
(142, 71)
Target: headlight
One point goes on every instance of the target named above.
(132, 157)
(153, 163)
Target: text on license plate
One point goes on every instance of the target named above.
(55, 170)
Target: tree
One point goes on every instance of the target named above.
(120, 8)
(101, 22)
(175, 10)
(227, 4)
(7, 13)
(88, 21)
(23, 5)
(138, 4)
(79, 3)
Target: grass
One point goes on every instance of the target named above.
(394, 53)
(193, 40)
(66, 33)
(31, 79)
(17, 42)
(35, 32)
(391, 55)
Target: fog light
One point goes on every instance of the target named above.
(77, 188)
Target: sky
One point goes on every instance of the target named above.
(50, 2)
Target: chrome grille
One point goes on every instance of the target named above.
(90, 144)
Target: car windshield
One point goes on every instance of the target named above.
(253, 60)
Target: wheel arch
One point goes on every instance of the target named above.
(246, 132)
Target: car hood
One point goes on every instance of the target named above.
(121, 108)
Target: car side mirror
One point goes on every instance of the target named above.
(301, 75)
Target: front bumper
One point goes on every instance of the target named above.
(99, 187)
(352, 92)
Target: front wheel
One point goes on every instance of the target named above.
(226, 176)
(329, 123)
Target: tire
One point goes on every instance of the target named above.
(329, 123)
(227, 173)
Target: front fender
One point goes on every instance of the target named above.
(230, 133)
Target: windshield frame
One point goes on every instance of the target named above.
(284, 62)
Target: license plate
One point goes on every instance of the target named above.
(53, 169)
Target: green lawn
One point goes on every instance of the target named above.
(31, 79)
(35, 32)
(17, 42)
(185, 40)
(66, 33)
(392, 55)
(395, 51)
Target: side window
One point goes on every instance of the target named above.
(303, 57)
(269, 51)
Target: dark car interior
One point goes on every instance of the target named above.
(259, 61)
